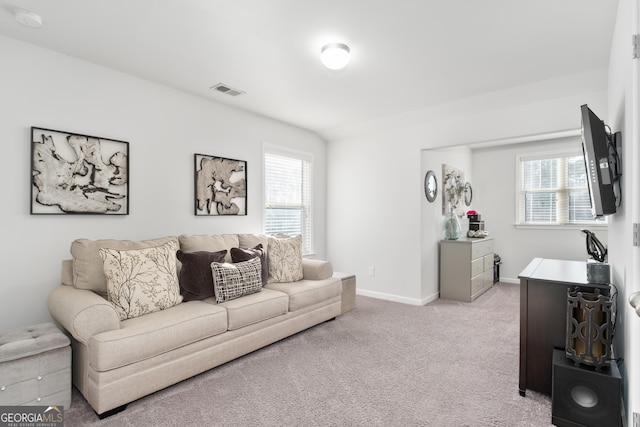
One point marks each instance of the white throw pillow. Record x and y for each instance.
(285, 259)
(142, 281)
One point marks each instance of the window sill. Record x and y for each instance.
(561, 226)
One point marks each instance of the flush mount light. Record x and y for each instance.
(335, 56)
(28, 18)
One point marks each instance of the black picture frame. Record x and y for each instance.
(74, 173)
(220, 186)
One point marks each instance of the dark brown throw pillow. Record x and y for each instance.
(241, 255)
(196, 279)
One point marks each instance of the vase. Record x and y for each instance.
(452, 227)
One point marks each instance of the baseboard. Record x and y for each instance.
(510, 280)
(396, 298)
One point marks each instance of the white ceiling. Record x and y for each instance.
(406, 54)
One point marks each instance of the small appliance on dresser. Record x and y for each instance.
(476, 225)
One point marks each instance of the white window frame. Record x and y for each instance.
(562, 216)
(307, 202)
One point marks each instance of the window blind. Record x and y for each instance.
(287, 190)
(554, 191)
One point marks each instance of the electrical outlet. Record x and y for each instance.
(372, 271)
(636, 419)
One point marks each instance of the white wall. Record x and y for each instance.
(624, 112)
(432, 219)
(376, 214)
(164, 127)
(495, 171)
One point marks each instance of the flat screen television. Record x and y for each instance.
(602, 163)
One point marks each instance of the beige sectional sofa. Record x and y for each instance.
(116, 360)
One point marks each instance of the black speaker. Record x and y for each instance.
(582, 396)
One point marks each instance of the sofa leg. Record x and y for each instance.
(112, 412)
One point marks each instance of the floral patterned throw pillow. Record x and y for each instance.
(142, 281)
(285, 259)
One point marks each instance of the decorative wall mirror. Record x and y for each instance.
(468, 193)
(430, 186)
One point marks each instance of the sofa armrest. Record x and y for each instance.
(315, 269)
(81, 312)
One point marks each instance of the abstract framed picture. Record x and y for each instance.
(452, 190)
(72, 173)
(221, 186)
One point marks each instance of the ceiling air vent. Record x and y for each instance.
(223, 88)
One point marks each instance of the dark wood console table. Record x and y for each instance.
(543, 308)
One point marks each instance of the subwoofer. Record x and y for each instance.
(583, 396)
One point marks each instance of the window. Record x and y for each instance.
(554, 190)
(287, 194)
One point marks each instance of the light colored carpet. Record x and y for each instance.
(382, 364)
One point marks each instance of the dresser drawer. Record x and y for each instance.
(477, 283)
(487, 278)
(477, 267)
(481, 248)
(488, 262)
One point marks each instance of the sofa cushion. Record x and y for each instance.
(241, 255)
(196, 281)
(144, 337)
(255, 308)
(252, 240)
(285, 259)
(141, 281)
(88, 270)
(232, 281)
(305, 293)
(209, 243)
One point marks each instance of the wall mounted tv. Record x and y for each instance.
(602, 160)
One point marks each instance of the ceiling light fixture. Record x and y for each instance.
(28, 18)
(335, 56)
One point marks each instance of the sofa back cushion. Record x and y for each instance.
(88, 270)
(209, 243)
(142, 281)
(253, 240)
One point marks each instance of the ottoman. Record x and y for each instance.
(348, 291)
(35, 367)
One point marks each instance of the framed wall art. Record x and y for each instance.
(73, 173)
(453, 190)
(221, 186)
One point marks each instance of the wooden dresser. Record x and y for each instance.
(466, 268)
(543, 316)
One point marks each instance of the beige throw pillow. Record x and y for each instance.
(285, 259)
(141, 281)
(88, 272)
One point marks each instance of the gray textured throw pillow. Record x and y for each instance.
(241, 255)
(232, 281)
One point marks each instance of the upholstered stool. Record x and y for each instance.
(35, 367)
